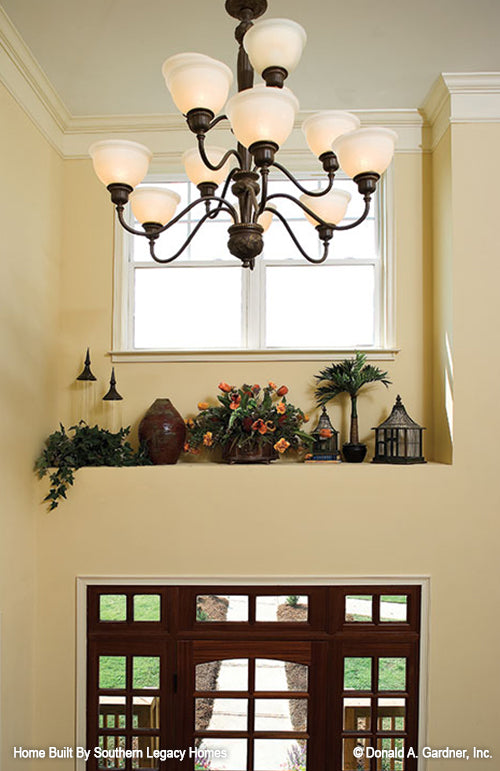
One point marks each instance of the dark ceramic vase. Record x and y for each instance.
(264, 453)
(354, 453)
(162, 431)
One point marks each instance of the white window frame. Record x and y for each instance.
(384, 350)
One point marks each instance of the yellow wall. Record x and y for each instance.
(30, 203)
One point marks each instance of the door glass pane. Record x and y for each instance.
(358, 607)
(112, 672)
(393, 607)
(391, 715)
(146, 712)
(280, 714)
(354, 754)
(221, 714)
(147, 607)
(188, 308)
(112, 607)
(276, 675)
(222, 675)
(111, 711)
(280, 755)
(392, 674)
(111, 747)
(147, 745)
(217, 607)
(357, 714)
(357, 673)
(219, 754)
(343, 309)
(146, 672)
(394, 750)
(289, 608)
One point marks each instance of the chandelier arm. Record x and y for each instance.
(183, 247)
(312, 193)
(230, 208)
(264, 176)
(295, 240)
(303, 207)
(219, 208)
(359, 220)
(211, 166)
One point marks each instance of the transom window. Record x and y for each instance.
(205, 301)
(253, 678)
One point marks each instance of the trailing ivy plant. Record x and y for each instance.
(83, 445)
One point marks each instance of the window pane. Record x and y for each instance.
(223, 675)
(391, 715)
(394, 750)
(392, 674)
(147, 745)
(358, 242)
(352, 748)
(278, 245)
(357, 714)
(112, 747)
(146, 672)
(111, 711)
(283, 754)
(357, 673)
(358, 607)
(393, 607)
(210, 243)
(280, 714)
(290, 608)
(147, 607)
(166, 245)
(338, 298)
(276, 675)
(146, 712)
(218, 754)
(188, 307)
(112, 672)
(112, 607)
(221, 714)
(213, 607)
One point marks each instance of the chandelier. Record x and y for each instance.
(261, 118)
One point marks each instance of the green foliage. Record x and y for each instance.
(248, 417)
(348, 376)
(83, 445)
(292, 600)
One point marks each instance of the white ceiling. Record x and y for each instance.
(104, 57)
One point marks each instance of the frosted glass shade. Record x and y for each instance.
(196, 80)
(323, 128)
(262, 114)
(364, 150)
(120, 161)
(274, 43)
(330, 207)
(154, 204)
(198, 172)
(265, 219)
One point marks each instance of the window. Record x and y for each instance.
(205, 301)
(243, 678)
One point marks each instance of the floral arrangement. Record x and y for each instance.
(247, 417)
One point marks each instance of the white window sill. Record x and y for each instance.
(151, 356)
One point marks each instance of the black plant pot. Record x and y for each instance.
(354, 453)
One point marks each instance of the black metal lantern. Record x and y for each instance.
(325, 446)
(398, 439)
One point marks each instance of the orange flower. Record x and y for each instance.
(259, 426)
(203, 405)
(270, 425)
(282, 446)
(207, 439)
(325, 433)
(225, 387)
(186, 447)
(256, 388)
(306, 418)
(272, 385)
(190, 422)
(235, 401)
(282, 390)
(281, 408)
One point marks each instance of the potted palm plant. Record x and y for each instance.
(349, 376)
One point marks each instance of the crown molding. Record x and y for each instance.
(23, 77)
(461, 97)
